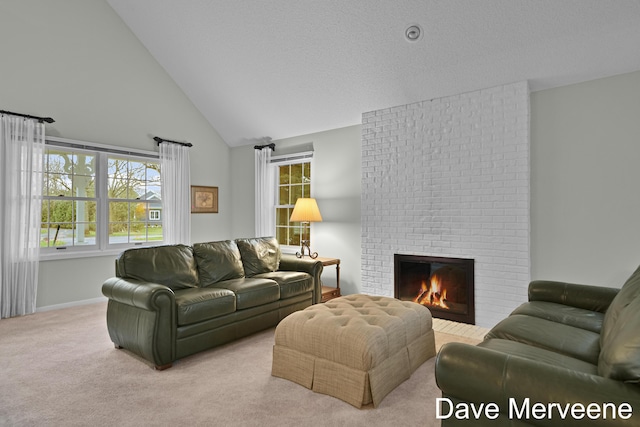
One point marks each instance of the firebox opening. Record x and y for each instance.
(444, 285)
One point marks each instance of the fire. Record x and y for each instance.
(432, 293)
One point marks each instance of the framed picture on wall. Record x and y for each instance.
(204, 199)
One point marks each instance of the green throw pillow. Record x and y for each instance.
(218, 261)
(259, 255)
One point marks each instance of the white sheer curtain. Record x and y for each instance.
(175, 172)
(265, 193)
(21, 163)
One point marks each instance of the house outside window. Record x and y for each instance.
(294, 181)
(95, 200)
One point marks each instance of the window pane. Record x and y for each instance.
(153, 173)
(281, 235)
(296, 192)
(284, 174)
(139, 212)
(282, 216)
(59, 184)
(296, 174)
(118, 232)
(137, 189)
(84, 234)
(85, 211)
(118, 188)
(154, 232)
(117, 168)
(306, 172)
(83, 186)
(61, 234)
(61, 211)
(85, 164)
(52, 235)
(119, 212)
(137, 171)
(294, 235)
(284, 195)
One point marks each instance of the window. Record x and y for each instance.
(294, 180)
(95, 199)
(69, 206)
(133, 189)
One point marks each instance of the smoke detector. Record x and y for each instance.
(413, 33)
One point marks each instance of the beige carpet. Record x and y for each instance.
(59, 368)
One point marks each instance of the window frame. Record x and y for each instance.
(287, 160)
(102, 152)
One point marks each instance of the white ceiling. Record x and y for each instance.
(282, 68)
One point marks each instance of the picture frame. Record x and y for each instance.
(204, 199)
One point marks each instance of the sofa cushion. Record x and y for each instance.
(218, 261)
(630, 290)
(568, 340)
(538, 354)
(170, 265)
(620, 355)
(251, 292)
(259, 255)
(198, 304)
(291, 283)
(572, 316)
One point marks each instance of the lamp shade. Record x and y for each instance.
(305, 210)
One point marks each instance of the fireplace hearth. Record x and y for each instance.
(444, 285)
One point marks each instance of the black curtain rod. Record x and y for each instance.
(161, 140)
(40, 119)
(260, 147)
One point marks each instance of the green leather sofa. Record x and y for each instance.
(168, 302)
(568, 357)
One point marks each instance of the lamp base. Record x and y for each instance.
(305, 244)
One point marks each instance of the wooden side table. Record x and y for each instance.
(329, 292)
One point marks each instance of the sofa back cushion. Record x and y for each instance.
(259, 255)
(619, 340)
(620, 352)
(170, 265)
(629, 291)
(218, 261)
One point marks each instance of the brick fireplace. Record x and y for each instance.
(449, 177)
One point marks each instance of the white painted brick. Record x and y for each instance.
(450, 177)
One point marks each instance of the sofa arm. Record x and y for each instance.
(595, 298)
(471, 374)
(136, 293)
(308, 265)
(141, 317)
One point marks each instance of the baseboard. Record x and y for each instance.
(70, 304)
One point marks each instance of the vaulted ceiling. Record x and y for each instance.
(261, 69)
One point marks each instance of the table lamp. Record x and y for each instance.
(306, 210)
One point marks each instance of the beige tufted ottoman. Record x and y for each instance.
(357, 348)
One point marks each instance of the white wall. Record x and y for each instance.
(336, 186)
(76, 61)
(585, 201)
